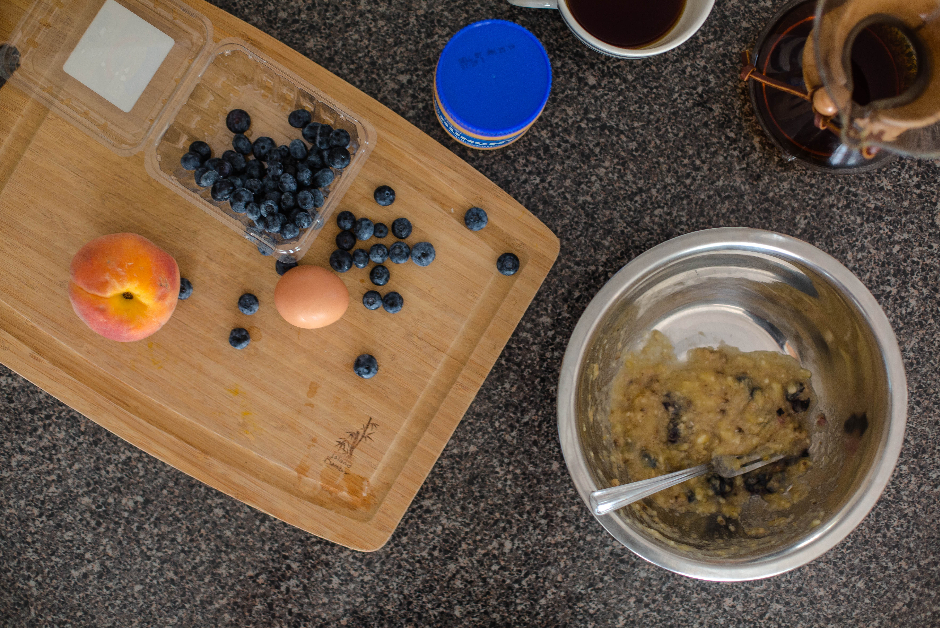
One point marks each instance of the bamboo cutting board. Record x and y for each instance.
(283, 425)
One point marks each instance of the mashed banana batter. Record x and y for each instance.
(668, 415)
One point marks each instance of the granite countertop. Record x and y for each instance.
(628, 154)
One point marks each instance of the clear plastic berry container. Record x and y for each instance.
(146, 76)
(237, 77)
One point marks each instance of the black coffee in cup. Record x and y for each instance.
(627, 23)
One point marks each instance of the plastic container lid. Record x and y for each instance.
(493, 78)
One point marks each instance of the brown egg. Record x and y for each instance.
(310, 297)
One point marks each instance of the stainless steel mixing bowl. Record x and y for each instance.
(754, 290)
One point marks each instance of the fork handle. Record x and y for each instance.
(608, 499)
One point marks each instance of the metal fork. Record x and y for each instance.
(608, 499)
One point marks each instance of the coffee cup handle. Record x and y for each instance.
(535, 4)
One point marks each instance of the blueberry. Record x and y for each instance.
(201, 148)
(248, 303)
(299, 118)
(366, 366)
(237, 180)
(205, 177)
(287, 202)
(273, 195)
(274, 155)
(214, 163)
(364, 229)
(322, 138)
(422, 253)
(285, 263)
(240, 199)
(289, 231)
(340, 261)
(318, 198)
(304, 175)
(401, 228)
(253, 210)
(399, 253)
(275, 170)
(378, 253)
(360, 258)
(265, 249)
(239, 338)
(262, 147)
(186, 289)
(392, 302)
(287, 183)
(305, 199)
(238, 161)
(372, 300)
(384, 195)
(338, 158)
(254, 185)
(507, 264)
(255, 169)
(270, 184)
(238, 121)
(222, 190)
(303, 219)
(298, 150)
(345, 220)
(323, 177)
(475, 219)
(345, 240)
(242, 144)
(273, 222)
(191, 161)
(284, 151)
(379, 275)
(381, 230)
(339, 137)
(309, 132)
(290, 168)
(314, 161)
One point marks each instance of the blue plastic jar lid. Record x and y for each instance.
(493, 78)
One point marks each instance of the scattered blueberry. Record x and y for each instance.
(205, 177)
(507, 264)
(238, 121)
(384, 195)
(372, 300)
(186, 289)
(222, 190)
(262, 147)
(248, 303)
(323, 177)
(364, 229)
(379, 275)
(191, 161)
(360, 258)
(239, 338)
(339, 137)
(238, 161)
(422, 253)
(303, 219)
(289, 231)
(345, 220)
(392, 302)
(401, 228)
(345, 240)
(340, 261)
(378, 253)
(285, 263)
(298, 150)
(299, 118)
(338, 157)
(381, 230)
(253, 210)
(242, 144)
(366, 366)
(475, 219)
(201, 148)
(399, 253)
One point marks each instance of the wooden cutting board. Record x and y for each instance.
(283, 425)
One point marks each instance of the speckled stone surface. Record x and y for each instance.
(628, 154)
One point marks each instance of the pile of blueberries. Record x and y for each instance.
(362, 230)
(278, 187)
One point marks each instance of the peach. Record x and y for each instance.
(123, 286)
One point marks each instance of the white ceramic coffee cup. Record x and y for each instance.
(693, 16)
